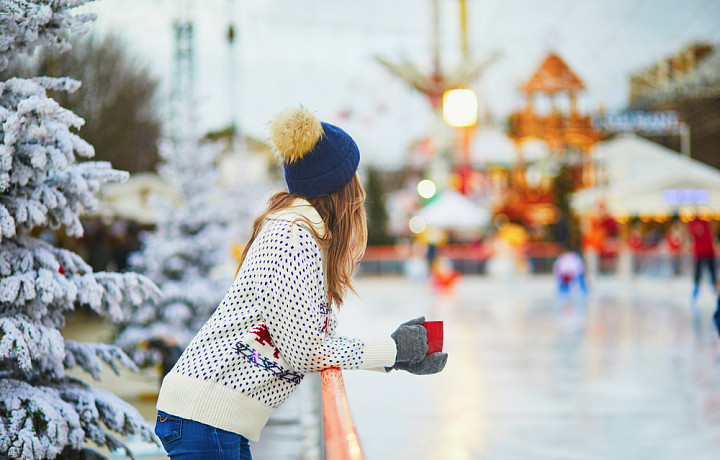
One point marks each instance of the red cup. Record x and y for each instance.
(435, 336)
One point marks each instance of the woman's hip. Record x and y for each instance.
(188, 439)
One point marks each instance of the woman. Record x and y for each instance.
(276, 323)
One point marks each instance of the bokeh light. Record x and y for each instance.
(460, 107)
(426, 188)
(417, 225)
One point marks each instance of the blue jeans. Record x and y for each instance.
(188, 439)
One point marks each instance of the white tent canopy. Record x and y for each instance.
(451, 210)
(645, 178)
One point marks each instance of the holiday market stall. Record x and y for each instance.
(640, 178)
(651, 192)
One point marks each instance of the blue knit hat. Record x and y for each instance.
(318, 158)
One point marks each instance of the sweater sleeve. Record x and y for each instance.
(295, 312)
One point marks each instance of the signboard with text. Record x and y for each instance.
(666, 122)
(686, 196)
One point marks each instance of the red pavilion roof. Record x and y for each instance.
(552, 76)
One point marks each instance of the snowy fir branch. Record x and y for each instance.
(51, 421)
(35, 421)
(97, 407)
(42, 295)
(26, 253)
(24, 341)
(36, 277)
(27, 24)
(90, 356)
(123, 290)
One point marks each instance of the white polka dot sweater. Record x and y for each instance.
(272, 328)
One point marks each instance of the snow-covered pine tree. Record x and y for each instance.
(182, 254)
(44, 413)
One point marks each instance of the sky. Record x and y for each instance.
(321, 54)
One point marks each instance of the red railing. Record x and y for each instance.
(644, 257)
(341, 439)
(458, 251)
(479, 251)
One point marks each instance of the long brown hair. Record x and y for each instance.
(345, 235)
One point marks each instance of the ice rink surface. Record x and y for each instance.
(630, 372)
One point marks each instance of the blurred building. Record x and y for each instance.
(562, 126)
(687, 82)
(551, 128)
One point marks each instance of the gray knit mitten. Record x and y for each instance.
(411, 341)
(432, 364)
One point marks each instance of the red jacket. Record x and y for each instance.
(702, 238)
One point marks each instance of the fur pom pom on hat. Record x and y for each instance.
(318, 158)
(294, 132)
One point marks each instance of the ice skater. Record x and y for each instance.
(569, 271)
(703, 252)
(277, 321)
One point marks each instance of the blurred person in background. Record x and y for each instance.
(569, 271)
(674, 243)
(443, 276)
(703, 253)
(716, 316)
